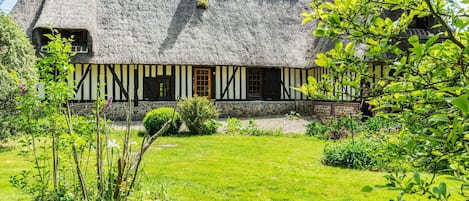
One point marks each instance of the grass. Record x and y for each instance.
(223, 167)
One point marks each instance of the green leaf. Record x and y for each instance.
(338, 46)
(306, 20)
(439, 118)
(413, 40)
(431, 40)
(372, 42)
(319, 32)
(349, 47)
(461, 103)
(367, 189)
(417, 178)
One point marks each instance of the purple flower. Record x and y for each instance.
(22, 87)
(108, 103)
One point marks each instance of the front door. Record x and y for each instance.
(203, 82)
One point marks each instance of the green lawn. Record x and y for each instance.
(222, 167)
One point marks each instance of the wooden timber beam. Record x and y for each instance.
(229, 82)
(118, 81)
(80, 83)
(285, 89)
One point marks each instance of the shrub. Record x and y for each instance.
(350, 154)
(195, 112)
(336, 134)
(333, 128)
(210, 126)
(315, 128)
(17, 73)
(252, 129)
(233, 126)
(155, 119)
(375, 124)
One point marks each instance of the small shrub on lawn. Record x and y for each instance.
(252, 129)
(333, 128)
(316, 129)
(336, 134)
(210, 126)
(155, 119)
(233, 126)
(350, 154)
(195, 112)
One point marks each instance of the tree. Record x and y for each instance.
(426, 83)
(17, 60)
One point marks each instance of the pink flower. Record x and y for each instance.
(22, 87)
(108, 103)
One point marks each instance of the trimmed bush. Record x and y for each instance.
(155, 119)
(195, 112)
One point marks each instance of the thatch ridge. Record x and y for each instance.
(229, 32)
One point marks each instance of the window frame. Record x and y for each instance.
(158, 80)
(260, 80)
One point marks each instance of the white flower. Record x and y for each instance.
(112, 143)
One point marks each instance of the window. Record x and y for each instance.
(263, 84)
(157, 88)
(202, 82)
(254, 83)
(79, 37)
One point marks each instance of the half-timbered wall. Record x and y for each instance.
(293, 78)
(229, 82)
(92, 77)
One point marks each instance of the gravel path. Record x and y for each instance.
(297, 125)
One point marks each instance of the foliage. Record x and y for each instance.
(375, 124)
(155, 119)
(203, 4)
(317, 129)
(17, 60)
(62, 147)
(292, 115)
(195, 112)
(333, 128)
(233, 126)
(350, 154)
(251, 129)
(210, 126)
(425, 85)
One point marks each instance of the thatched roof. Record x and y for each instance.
(229, 32)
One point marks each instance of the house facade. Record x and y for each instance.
(246, 55)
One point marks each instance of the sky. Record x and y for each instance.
(7, 5)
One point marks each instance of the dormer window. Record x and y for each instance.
(79, 37)
(420, 27)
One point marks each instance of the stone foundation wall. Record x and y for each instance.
(261, 108)
(117, 111)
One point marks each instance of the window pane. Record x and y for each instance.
(254, 83)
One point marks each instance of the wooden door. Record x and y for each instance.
(203, 82)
